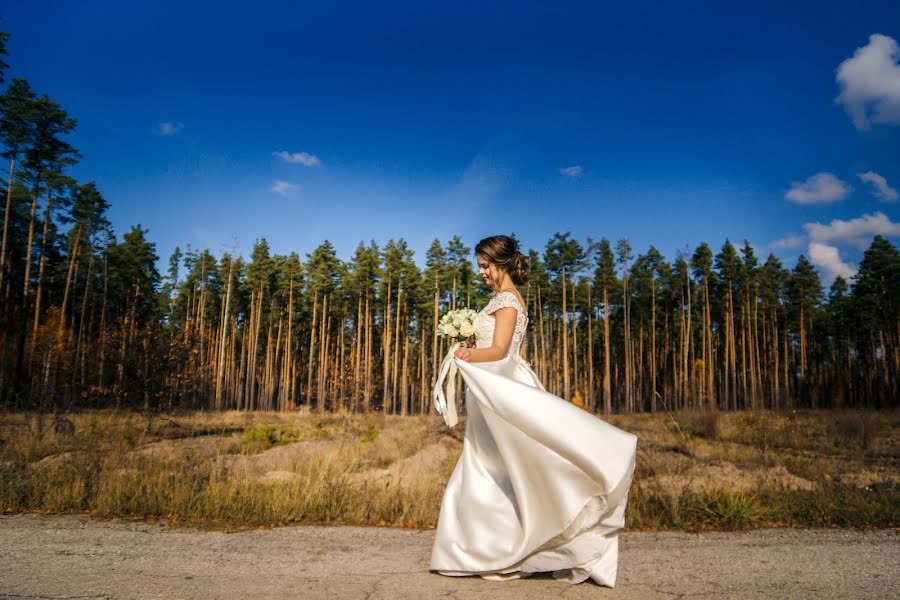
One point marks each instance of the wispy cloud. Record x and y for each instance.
(829, 260)
(858, 232)
(791, 241)
(298, 158)
(882, 190)
(820, 188)
(169, 128)
(870, 83)
(485, 178)
(573, 171)
(285, 188)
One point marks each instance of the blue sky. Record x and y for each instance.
(667, 123)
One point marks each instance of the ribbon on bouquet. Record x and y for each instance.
(447, 408)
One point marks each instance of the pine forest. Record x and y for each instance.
(87, 319)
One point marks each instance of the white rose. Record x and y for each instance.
(467, 329)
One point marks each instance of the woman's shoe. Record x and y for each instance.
(505, 576)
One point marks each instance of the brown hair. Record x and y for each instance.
(503, 251)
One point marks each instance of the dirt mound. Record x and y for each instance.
(57, 460)
(716, 476)
(416, 468)
(201, 445)
(280, 458)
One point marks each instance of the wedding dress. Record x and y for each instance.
(541, 485)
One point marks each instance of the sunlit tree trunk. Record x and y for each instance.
(386, 356)
(396, 355)
(220, 367)
(357, 356)
(9, 188)
(72, 259)
(607, 384)
(591, 397)
(312, 350)
(368, 364)
(652, 344)
(565, 344)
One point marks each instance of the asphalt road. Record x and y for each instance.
(79, 557)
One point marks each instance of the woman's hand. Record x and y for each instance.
(463, 353)
(470, 341)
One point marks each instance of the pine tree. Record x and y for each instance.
(876, 321)
(701, 264)
(17, 108)
(623, 254)
(804, 293)
(606, 282)
(728, 266)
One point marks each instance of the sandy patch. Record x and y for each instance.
(422, 465)
(716, 476)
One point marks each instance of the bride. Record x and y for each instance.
(541, 485)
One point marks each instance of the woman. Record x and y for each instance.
(541, 485)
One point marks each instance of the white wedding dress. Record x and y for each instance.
(541, 485)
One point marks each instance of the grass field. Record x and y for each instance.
(234, 469)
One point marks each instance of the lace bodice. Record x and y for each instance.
(485, 322)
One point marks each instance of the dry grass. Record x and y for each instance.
(729, 470)
(234, 469)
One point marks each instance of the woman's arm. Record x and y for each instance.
(504, 326)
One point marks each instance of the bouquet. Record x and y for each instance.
(457, 324)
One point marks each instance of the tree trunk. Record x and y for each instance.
(42, 260)
(607, 384)
(404, 375)
(565, 342)
(220, 367)
(9, 187)
(72, 259)
(591, 398)
(367, 403)
(357, 357)
(396, 355)
(386, 343)
(323, 355)
(312, 349)
(652, 344)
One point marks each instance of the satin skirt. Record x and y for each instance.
(541, 485)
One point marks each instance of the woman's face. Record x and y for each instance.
(491, 273)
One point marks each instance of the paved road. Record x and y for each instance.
(78, 557)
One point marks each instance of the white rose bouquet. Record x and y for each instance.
(457, 324)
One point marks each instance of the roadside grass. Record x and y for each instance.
(695, 470)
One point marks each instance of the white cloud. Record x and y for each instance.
(858, 231)
(169, 128)
(829, 260)
(870, 83)
(573, 171)
(882, 190)
(818, 189)
(791, 241)
(285, 188)
(298, 158)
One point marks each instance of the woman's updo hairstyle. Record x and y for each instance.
(503, 251)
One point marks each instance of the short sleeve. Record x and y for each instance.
(504, 300)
